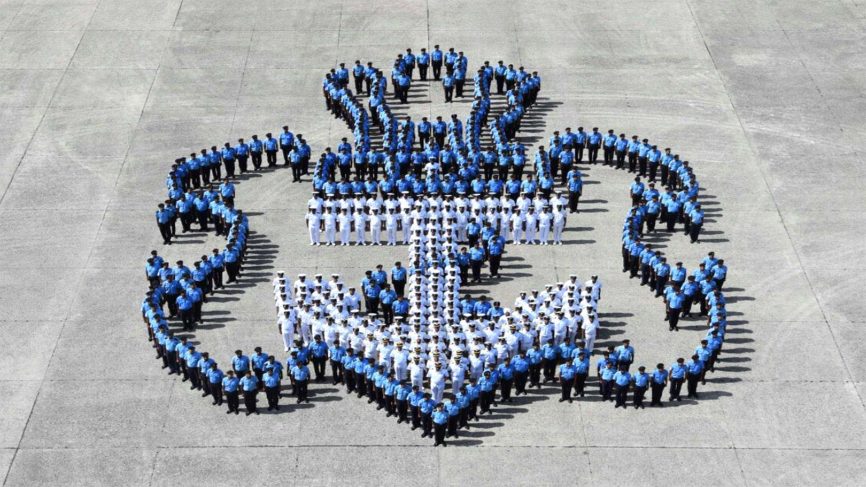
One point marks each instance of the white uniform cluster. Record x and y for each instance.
(437, 342)
(389, 221)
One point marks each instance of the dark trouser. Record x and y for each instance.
(186, 220)
(535, 375)
(399, 287)
(250, 401)
(296, 172)
(626, 258)
(230, 167)
(624, 363)
(390, 406)
(449, 93)
(272, 157)
(458, 84)
(664, 175)
(657, 391)
(632, 161)
(402, 411)
(486, 400)
(641, 165)
(202, 220)
(337, 371)
(257, 159)
(165, 232)
(319, 367)
(473, 409)
(620, 159)
(651, 221)
(232, 271)
(638, 396)
(359, 84)
(437, 69)
(349, 379)
(361, 384)
(495, 260)
(416, 417)
(505, 385)
(301, 388)
(633, 261)
(673, 318)
(671, 221)
(661, 282)
(549, 366)
(476, 269)
(645, 272)
(217, 278)
(608, 154)
(593, 153)
(216, 390)
(695, 231)
(452, 426)
(653, 168)
(621, 395)
(463, 418)
(520, 383)
(242, 163)
(186, 316)
(573, 200)
(427, 424)
(371, 391)
(676, 386)
(387, 313)
(439, 434)
(606, 389)
(171, 361)
(380, 397)
(692, 386)
(566, 384)
(579, 384)
(372, 304)
(285, 150)
(233, 400)
(273, 395)
(422, 71)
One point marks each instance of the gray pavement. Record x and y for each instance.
(766, 98)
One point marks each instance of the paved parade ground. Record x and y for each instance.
(764, 98)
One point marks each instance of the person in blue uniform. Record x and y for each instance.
(230, 385)
(581, 371)
(641, 382)
(658, 382)
(622, 379)
(271, 381)
(301, 375)
(694, 373)
(677, 376)
(426, 407)
(436, 58)
(567, 372)
(440, 424)
(250, 386)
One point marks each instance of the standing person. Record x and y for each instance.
(448, 83)
(426, 407)
(250, 386)
(436, 61)
(622, 379)
(567, 372)
(677, 376)
(440, 422)
(215, 378)
(641, 382)
(301, 374)
(694, 372)
(230, 385)
(271, 381)
(581, 372)
(658, 383)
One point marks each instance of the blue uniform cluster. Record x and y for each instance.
(448, 158)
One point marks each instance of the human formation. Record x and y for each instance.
(419, 351)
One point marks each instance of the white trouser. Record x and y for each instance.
(557, 232)
(314, 235)
(544, 234)
(330, 234)
(392, 235)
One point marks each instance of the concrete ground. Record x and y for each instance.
(98, 97)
